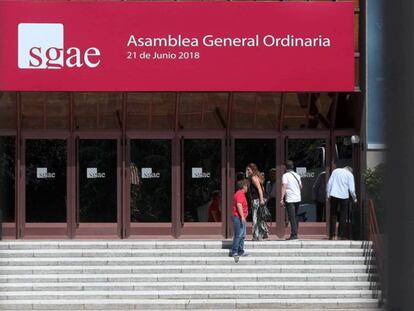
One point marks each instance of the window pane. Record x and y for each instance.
(8, 110)
(202, 180)
(7, 178)
(256, 110)
(98, 110)
(321, 110)
(151, 110)
(296, 110)
(308, 156)
(203, 110)
(344, 151)
(348, 113)
(45, 110)
(98, 181)
(151, 182)
(46, 164)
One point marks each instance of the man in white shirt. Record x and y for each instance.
(291, 197)
(340, 185)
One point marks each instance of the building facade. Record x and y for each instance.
(164, 164)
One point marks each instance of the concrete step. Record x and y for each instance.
(178, 253)
(126, 244)
(188, 294)
(197, 260)
(266, 285)
(194, 277)
(28, 270)
(191, 275)
(192, 304)
(279, 309)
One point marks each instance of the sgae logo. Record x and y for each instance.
(41, 46)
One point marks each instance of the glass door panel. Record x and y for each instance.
(46, 186)
(309, 158)
(150, 186)
(7, 186)
(202, 206)
(344, 156)
(97, 185)
(262, 152)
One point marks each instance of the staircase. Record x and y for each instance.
(193, 275)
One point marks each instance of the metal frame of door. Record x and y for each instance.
(146, 230)
(314, 228)
(95, 230)
(183, 229)
(36, 230)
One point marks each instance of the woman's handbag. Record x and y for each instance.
(264, 213)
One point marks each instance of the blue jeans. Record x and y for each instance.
(239, 235)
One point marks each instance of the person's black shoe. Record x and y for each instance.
(292, 237)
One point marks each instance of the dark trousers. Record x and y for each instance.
(292, 210)
(339, 209)
(320, 211)
(271, 205)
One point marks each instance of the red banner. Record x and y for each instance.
(177, 46)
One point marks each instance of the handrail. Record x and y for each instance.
(374, 236)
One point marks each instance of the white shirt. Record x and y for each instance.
(340, 184)
(293, 186)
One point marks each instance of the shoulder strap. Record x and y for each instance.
(295, 178)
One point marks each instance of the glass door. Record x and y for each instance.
(45, 192)
(309, 156)
(150, 187)
(262, 152)
(98, 187)
(7, 187)
(202, 187)
(345, 155)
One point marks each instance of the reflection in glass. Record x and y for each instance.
(45, 110)
(151, 110)
(7, 178)
(46, 180)
(203, 110)
(344, 151)
(98, 180)
(262, 152)
(308, 110)
(256, 110)
(348, 112)
(202, 178)
(150, 170)
(309, 157)
(98, 110)
(8, 104)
